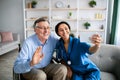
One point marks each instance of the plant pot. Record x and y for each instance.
(87, 27)
(69, 17)
(33, 6)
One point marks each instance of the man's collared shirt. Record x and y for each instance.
(22, 63)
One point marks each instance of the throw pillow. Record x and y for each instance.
(6, 36)
(0, 37)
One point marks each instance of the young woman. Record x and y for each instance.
(74, 54)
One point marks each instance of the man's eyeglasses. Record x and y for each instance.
(43, 28)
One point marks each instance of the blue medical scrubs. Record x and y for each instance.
(83, 68)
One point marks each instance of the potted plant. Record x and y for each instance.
(69, 14)
(87, 25)
(92, 3)
(34, 3)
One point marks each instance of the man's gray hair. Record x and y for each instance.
(40, 20)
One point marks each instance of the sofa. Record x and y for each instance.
(9, 44)
(107, 58)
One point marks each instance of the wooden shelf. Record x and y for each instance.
(31, 19)
(92, 8)
(91, 30)
(64, 8)
(65, 19)
(36, 9)
(88, 19)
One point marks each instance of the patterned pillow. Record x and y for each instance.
(6, 36)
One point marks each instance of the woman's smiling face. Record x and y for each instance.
(64, 31)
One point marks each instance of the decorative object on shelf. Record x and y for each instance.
(92, 3)
(68, 6)
(68, 1)
(102, 27)
(69, 15)
(59, 4)
(98, 16)
(87, 25)
(34, 3)
(29, 5)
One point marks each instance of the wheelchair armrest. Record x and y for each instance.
(17, 76)
(54, 60)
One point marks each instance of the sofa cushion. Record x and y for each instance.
(5, 45)
(10, 45)
(107, 76)
(6, 36)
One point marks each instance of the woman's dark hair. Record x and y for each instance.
(57, 26)
(40, 20)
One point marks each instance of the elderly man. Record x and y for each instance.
(33, 61)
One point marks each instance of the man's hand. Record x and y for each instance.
(37, 56)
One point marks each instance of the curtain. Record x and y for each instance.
(117, 35)
(114, 21)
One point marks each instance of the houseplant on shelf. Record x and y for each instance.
(87, 25)
(69, 15)
(92, 3)
(34, 3)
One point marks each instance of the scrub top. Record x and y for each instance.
(77, 56)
